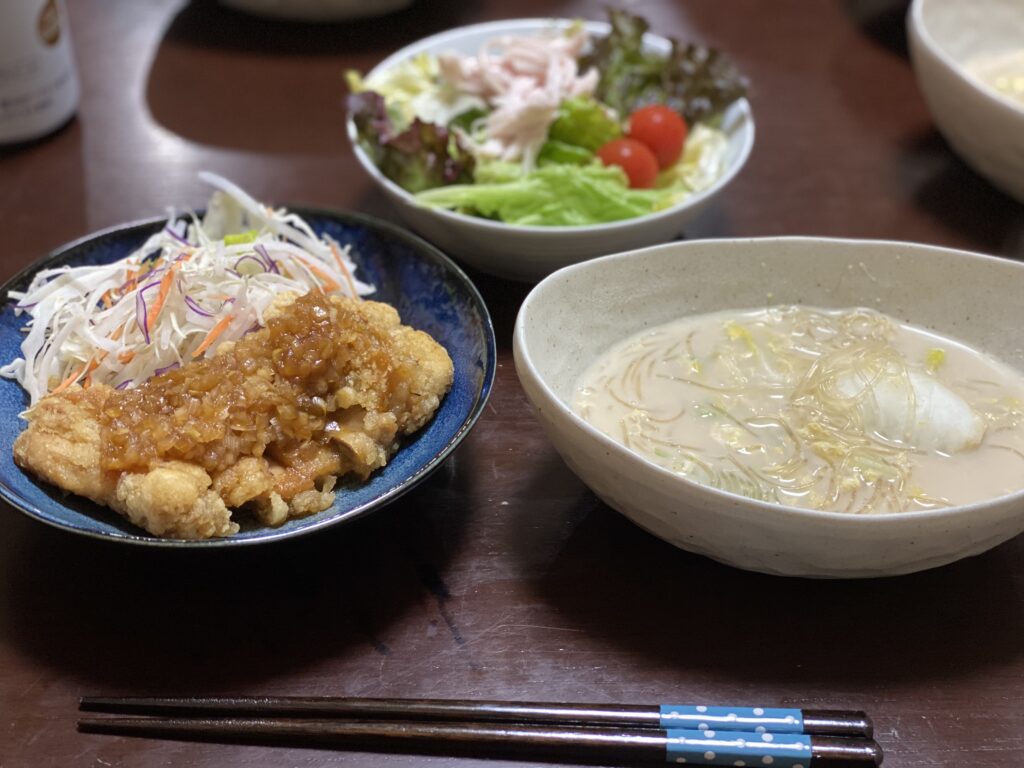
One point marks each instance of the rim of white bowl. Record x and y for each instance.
(917, 23)
(745, 115)
(843, 518)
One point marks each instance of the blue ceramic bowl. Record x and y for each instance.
(430, 293)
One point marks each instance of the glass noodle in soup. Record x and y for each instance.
(836, 410)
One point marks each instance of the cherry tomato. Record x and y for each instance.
(661, 129)
(639, 163)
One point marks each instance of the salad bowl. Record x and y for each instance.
(528, 253)
(430, 293)
(984, 126)
(577, 313)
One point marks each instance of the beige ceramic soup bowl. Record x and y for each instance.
(575, 314)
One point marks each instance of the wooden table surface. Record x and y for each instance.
(502, 576)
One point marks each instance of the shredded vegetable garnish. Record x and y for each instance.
(191, 286)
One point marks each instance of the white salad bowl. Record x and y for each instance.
(574, 315)
(985, 127)
(529, 253)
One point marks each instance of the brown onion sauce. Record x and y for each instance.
(272, 393)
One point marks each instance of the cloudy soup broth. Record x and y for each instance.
(838, 410)
(1002, 71)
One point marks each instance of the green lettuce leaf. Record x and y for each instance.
(466, 119)
(400, 85)
(564, 194)
(696, 81)
(412, 88)
(560, 152)
(552, 195)
(583, 122)
(423, 156)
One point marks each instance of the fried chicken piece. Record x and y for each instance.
(328, 388)
(173, 500)
(62, 443)
(63, 446)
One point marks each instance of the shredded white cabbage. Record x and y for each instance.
(702, 164)
(411, 89)
(190, 287)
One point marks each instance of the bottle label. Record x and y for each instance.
(38, 82)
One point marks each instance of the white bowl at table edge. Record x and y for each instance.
(983, 126)
(735, 529)
(531, 252)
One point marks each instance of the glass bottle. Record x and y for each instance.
(38, 81)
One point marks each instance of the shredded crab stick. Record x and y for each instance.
(189, 287)
(526, 78)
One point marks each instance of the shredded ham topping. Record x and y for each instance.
(525, 78)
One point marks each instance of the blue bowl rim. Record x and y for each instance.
(61, 254)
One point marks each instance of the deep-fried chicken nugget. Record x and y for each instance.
(62, 446)
(62, 443)
(173, 500)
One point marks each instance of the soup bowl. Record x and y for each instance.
(574, 315)
(984, 126)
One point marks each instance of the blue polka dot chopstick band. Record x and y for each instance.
(754, 719)
(736, 748)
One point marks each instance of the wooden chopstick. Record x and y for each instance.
(820, 722)
(579, 744)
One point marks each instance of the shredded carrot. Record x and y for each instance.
(94, 363)
(129, 284)
(165, 288)
(211, 337)
(344, 269)
(126, 357)
(101, 354)
(87, 369)
(116, 335)
(68, 381)
(106, 300)
(329, 283)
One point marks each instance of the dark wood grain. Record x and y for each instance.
(501, 577)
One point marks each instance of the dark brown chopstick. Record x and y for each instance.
(574, 744)
(818, 722)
